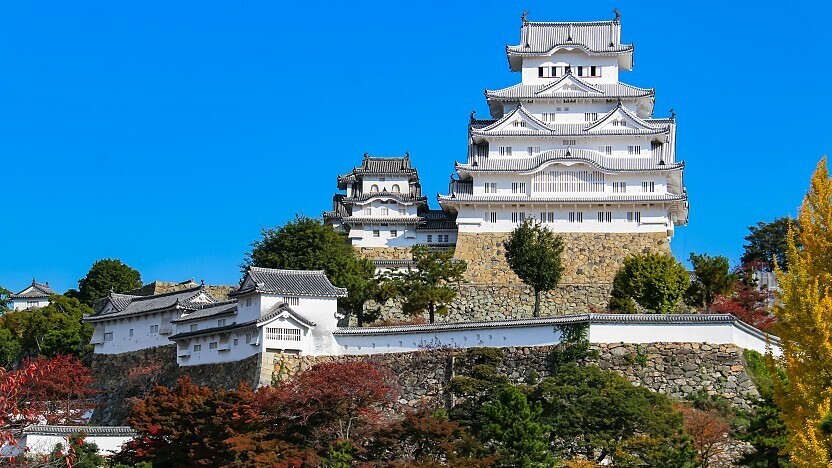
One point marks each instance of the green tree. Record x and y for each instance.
(4, 298)
(309, 244)
(534, 254)
(53, 329)
(711, 277)
(104, 276)
(9, 348)
(427, 285)
(656, 281)
(765, 430)
(768, 242)
(599, 414)
(514, 429)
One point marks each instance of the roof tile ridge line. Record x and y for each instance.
(283, 270)
(567, 23)
(169, 293)
(564, 77)
(209, 305)
(626, 112)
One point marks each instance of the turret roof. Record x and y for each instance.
(291, 282)
(126, 304)
(34, 291)
(373, 165)
(539, 91)
(544, 38)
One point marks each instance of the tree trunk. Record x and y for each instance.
(536, 303)
(431, 312)
(360, 315)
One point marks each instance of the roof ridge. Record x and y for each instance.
(169, 293)
(288, 270)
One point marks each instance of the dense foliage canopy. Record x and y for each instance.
(104, 276)
(534, 253)
(309, 244)
(712, 276)
(767, 243)
(427, 286)
(50, 330)
(656, 281)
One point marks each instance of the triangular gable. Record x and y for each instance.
(248, 282)
(569, 83)
(286, 314)
(620, 114)
(519, 114)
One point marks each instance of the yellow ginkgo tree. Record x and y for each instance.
(804, 324)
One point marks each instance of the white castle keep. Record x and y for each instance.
(570, 146)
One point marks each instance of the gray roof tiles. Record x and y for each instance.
(94, 431)
(608, 90)
(208, 311)
(34, 291)
(290, 282)
(124, 304)
(592, 158)
(595, 37)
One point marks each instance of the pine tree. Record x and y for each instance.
(514, 429)
(534, 253)
(804, 324)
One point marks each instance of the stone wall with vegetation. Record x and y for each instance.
(122, 378)
(384, 253)
(589, 258)
(484, 302)
(676, 369)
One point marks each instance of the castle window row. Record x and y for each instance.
(590, 71)
(570, 182)
(508, 151)
(547, 217)
(440, 238)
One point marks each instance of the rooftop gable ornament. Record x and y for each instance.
(472, 114)
(672, 113)
(617, 15)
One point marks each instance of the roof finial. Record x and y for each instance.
(568, 151)
(472, 114)
(523, 17)
(672, 113)
(567, 69)
(366, 155)
(407, 154)
(202, 283)
(112, 291)
(33, 282)
(617, 15)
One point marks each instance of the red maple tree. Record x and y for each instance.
(65, 397)
(709, 432)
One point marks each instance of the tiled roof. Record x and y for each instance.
(541, 129)
(94, 431)
(372, 165)
(608, 90)
(543, 38)
(437, 220)
(592, 158)
(124, 305)
(289, 282)
(401, 220)
(209, 331)
(213, 310)
(623, 319)
(34, 291)
(600, 198)
(284, 308)
(403, 198)
(339, 210)
(392, 263)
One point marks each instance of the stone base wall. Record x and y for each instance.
(675, 369)
(483, 302)
(384, 253)
(123, 378)
(588, 258)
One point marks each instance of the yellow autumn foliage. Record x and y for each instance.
(804, 324)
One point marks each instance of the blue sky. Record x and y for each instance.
(167, 133)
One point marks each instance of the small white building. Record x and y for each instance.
(383, 207)
(41, 439)
(34, 296)
(123, 322)
(274, 311)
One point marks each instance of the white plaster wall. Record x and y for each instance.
(386, 184)
(486, 337)
(422, 237)
(23, 304)
(362, 236)
(609, 66)
(520, 145)
(227, 349)
(142, 338)
(44, 444)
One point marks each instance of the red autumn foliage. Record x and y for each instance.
(709, 432)
(747, 304)
(65, 396)
(330, 401)
(192, 425)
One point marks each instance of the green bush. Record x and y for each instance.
(655, 281)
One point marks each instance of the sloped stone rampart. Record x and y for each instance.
(588, 257)
(676, 369)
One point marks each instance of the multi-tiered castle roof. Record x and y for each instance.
(570, 144)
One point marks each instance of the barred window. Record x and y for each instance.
(518, 187)
(568, 181)
(505, 151)
(283, 334)
(576, 216)
(569, 142)
(634, 216)
(619, 187)
(648, 186)
(605, 216)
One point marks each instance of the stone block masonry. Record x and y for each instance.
(384, 253)
(588, 258)
(676, 369)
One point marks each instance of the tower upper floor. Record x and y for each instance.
(591, 50)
